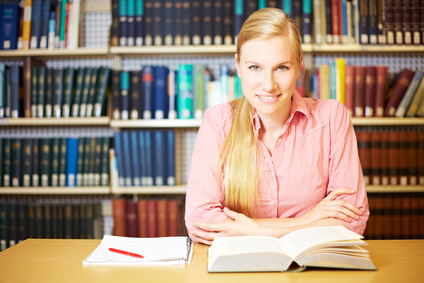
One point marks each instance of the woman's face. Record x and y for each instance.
(268, 69)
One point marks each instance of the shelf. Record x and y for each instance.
(386, 121)
(54, 121)
(55, 190)
(147, 190)
(395, 189)
(165, 123)
(363, 48)
(173, 49)
(50, 53)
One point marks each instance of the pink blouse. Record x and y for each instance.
(315, 153)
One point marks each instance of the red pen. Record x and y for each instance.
(125, 253)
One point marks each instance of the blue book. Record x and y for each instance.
(1, 171)
(131, 22)
(315, 89)
(135, 162)
(186, 27)
(307, 21)
(169, 22)
(148, 22)
(160, 90)
(147, 91)
(35, 23)
(363, 21)
(332, 79)
(196, 22)
(344, 23)
(159, 153)
(128, 174)
(158, 7)
(15, 83)
(170, 155)
(208, 20)
(287, 8)
(3, 88)
(185, 91)
(119, 158)
(142, 157)
(44, 28)
(218, 22)
(9, 16)
(224, 74)
(261, 4)
(172, 95)
(373, 21)
(71, 162)
(139, 13)
(149, 157)
(123, 24)
(238, 17)
(124, 97)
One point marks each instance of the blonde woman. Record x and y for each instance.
(273, 162)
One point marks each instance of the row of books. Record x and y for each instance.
(66, 92)
(33, 24)
(391, 155)
(148, 217)
(395, 216)
(49, 218)
(137, 22)
(158, 92)
(366, 91)
(34, 162)
(145, 157)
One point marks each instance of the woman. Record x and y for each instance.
(273, 162)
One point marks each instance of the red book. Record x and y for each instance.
(119, 221)
(151, 218)
(350, 89)
(371, 223)
(379, 216)
(142, 217)
(421, 215)
(384, 162)
(390, 21)
(387, 218)
(421, 160)
(380, 90)
(406, 216)
(415, 218)
(397, 216)
(393, 156)
(398, 91)
(359, 91)
(173, 217)
(403, 160)
(370, 85)
(335, 21)
(162, 217)
(413, 156)
(375, 159)
(131, 218)
(363, 138)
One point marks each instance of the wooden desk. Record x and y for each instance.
(42, 260)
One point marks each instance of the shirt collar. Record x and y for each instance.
(298, 106)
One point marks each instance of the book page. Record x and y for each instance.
(301, 240)
(154, 250)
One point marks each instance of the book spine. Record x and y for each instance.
(402, 82)
(80, 162)
(57, 92)
(104, 172)
(160, 89)
(409, 94)
(128, 172)
(147, 80)
(114, 31)
(55, 161)
(375, 157)
(135, 94)
(158, 10)
(350, 90)
(35, 24)
(116, 92)
(407, 21)
(139, 21)
(196, 22)
(363, 21)
(142, 217)
(170, 155)
(185, 91)
(172, 95)
(148, 142)
(123, 22)
(119, 158)
(131, 218)
(307, 22)
(335, 22)
(63, 149)
(359, 91)
(123, 98)
(416, 15)
(15, 171)
(15, 86)
(148, 22)
(119, 218)
(9, 26)
(159, 161)
(100, 94)
(41, 83)
(26, 33)
(142, 157)
(207, 13)
(373, 22)
(26, 161)
(130, 5)
(162, 217)
(77, 92)
(370, 85)
(198, 87)
(380, 90)
(151, 218)
(218, 22)
(134, 158)
(92, 92)
(68, 84)
(7, 162)
(45, 164)
(34, 91)
(27, 86)
(238, 18)
(72, 162)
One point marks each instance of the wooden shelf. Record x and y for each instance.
(363, 48)
(50, 53)
(55, 121)
(55, 190)
(165, 123)
(147, 190)
(386, 121)
(174, 49)
(395, 189)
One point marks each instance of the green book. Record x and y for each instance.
(35, 168)
(57, 92)
(45, 164)
(26, 162)
(41, 91)
(80, 162)
(198, 102)
(97, 161)
(101, 89)
(87, 157)
(4, 226)
(6, 162)
(92, 93)
(85, 91)
(185, 91)
(48, 109)
(62, 161)
(34, 91)
(104, 170)
(77, 91)
(68, 83)
(15, 172)
(55, 157)
(1, 162)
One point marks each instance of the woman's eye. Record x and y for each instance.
(282, 68)
(254, 68)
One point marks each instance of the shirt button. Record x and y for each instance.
(279, 140)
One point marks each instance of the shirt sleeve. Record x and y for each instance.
(345, 168)
(204, 199)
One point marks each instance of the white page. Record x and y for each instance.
(164, 250)
(299, 241)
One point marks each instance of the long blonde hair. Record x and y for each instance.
(240, 155)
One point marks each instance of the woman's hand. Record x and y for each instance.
(331, 207)
(237, 224)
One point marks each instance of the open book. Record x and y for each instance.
(333, 246)
(115, 250)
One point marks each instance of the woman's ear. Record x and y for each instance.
(237, 60)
